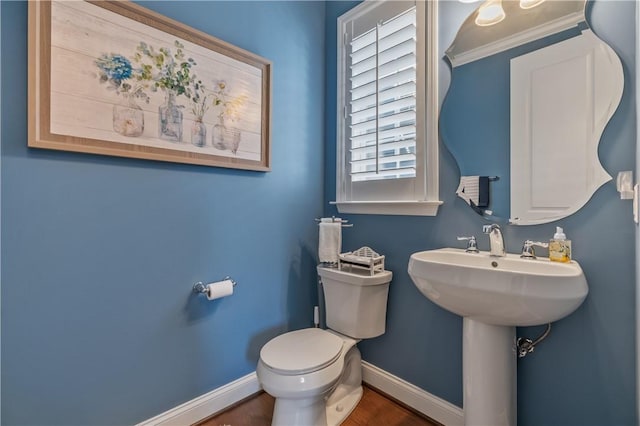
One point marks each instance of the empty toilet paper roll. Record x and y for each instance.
(219, 289)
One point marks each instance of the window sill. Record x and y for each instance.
(401, 208)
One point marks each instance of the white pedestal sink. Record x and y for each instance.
(494, 295)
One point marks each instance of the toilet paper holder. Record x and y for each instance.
(201, 288)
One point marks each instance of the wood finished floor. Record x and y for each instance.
(374, 409)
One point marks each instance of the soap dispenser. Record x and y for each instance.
(559, 247)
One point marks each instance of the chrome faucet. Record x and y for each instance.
(496, 240)
(472, 246)
(528, 251)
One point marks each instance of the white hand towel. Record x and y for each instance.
(329, 241)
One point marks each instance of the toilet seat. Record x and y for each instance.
(301, 351)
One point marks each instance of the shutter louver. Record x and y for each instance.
(382, 104)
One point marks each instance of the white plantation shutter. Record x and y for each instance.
(382, 131)
(387, 108)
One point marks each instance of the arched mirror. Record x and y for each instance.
(532, 90)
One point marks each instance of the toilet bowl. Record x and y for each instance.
(315, 375)
(302, 368)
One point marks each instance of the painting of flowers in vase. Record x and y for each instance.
(120, 85)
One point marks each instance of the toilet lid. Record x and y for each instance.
(301, 351)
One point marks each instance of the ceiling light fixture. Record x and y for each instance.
(490, 13)
(528, 4)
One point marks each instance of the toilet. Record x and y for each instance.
(315, 375)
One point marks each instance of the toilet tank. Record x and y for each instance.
(355, 301)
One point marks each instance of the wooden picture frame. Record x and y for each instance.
(114, 78)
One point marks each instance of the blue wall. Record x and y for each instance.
(99, 325)
(584, 372)
(99, 253)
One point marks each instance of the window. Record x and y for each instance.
(387, 109)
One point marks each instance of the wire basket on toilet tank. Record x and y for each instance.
(364, 258)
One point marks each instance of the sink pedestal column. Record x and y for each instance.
(489, 374)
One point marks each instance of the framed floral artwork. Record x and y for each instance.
(115, 78)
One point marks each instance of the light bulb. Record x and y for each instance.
(490, 13)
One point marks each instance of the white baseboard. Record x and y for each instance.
(430, 405)
(210, 403)
(225, 396)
